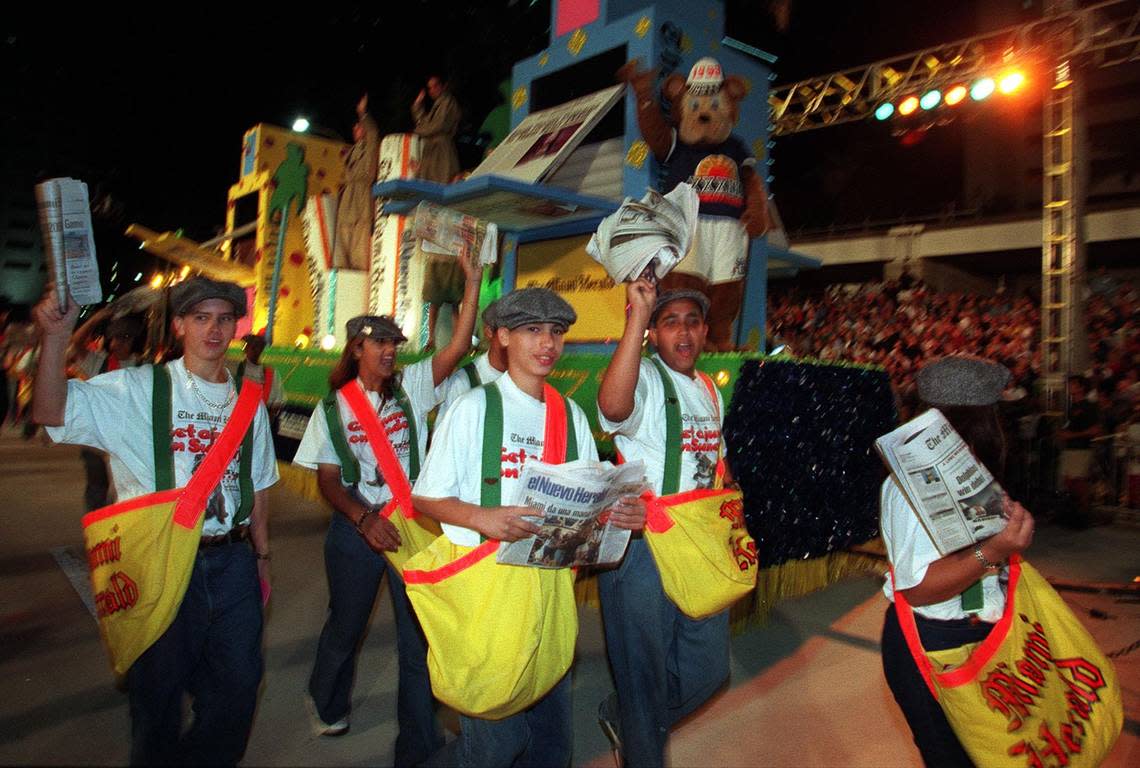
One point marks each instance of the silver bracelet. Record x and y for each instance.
(981, 558)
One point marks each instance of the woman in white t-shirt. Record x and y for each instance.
(351, 481)
(948, 610)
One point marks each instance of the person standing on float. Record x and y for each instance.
(357, 534)
(664, 663)
(212, 650)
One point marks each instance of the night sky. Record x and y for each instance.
(149, 108)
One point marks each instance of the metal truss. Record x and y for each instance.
(1102, 34)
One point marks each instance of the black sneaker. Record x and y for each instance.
(609, 719)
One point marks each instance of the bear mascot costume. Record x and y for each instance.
(697, 146)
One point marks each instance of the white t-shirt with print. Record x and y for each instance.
(316, 447)
(911, 551)
(113, 412)
(458, 384)
(642, 434)
(454, 464)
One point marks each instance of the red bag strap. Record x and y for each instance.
(382, 449)
(488, 547)
(554, 434)
(192, 502)
(981, 656)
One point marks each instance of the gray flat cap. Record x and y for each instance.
(378, 327)
(186, 294)
(668, 297)
(961, 380)
(491, 315)
(533, 305)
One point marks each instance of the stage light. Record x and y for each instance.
(884, 110)
(1010, 82)
(930, 99)
(300, 125)
(156, 281)
(328, 342)
(185, 271)
(982, 89)
(908, 105)
(302, 341)
(955, 95)
(778, 350)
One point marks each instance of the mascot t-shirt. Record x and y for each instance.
(714, 171)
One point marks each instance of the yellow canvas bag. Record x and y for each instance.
(698, 539)
(706, 558)
(499, 637)
(140, 552)
(416, 531)
(1037, 691)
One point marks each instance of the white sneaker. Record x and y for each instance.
(320, 727)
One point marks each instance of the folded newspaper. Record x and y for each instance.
(652, 234)
(953, 494)
(69, 241)
(569, 502)
(451, 233)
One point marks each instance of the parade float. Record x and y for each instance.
(799, 433)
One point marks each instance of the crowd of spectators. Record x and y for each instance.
(902, 324)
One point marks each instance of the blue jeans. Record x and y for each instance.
(211, 650)
(542, 736)
(354, 572)
(665, 665)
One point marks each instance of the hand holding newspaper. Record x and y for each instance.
(569, 502)
(69, 242)
(652, 233)
(953, 494)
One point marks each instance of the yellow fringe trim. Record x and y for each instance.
(300, 481)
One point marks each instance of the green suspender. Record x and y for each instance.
(672, 481)
(571, 435)
(239, 376)
(349, 466)
(491, 491)
(413, 441)
(472, 375)
(162, 426)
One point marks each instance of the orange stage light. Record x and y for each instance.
(908, 105)
(955, 95)
(1010, 82)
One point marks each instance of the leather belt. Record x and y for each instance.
(232, 536)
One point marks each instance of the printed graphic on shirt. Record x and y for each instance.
(700, 436)
(192, 435)
(518, 451)
(716, 180)
(395, 426)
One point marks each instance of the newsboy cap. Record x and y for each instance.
(376, 327)
(490, 315)
(197, 289)
(961, 380)
(668, 297)
(534, 305)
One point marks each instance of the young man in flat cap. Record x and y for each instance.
(483, 369)
(532, 323)
(664, 663)
(351, 478)
(212, 650)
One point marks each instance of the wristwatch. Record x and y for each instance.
(981, 558)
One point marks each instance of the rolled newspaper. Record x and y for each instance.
(650, 235)
(69, 242)
(447, 232)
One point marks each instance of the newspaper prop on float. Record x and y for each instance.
(954, 495)
(319, 230)
(568, 500)
(646, 237)
(69, 242)
(448, 233)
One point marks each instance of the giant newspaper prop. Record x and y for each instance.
(570, 502)
(141, 552)
(954, 495)
(647, 237)
(444, 232)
